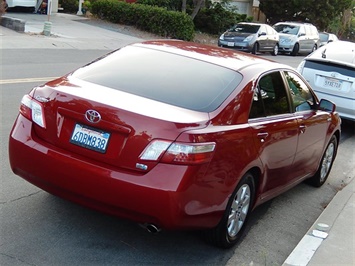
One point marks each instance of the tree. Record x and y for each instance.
(318, 12)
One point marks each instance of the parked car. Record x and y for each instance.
(326, 37)
(251, 37)
(331, 72)
(297, 38)
(21, 3)
(175, 135)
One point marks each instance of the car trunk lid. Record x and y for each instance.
(117, 125)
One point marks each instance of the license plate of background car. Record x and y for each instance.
(332, 83)
(90, 138)
(230, 43)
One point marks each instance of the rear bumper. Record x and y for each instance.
(170, 196)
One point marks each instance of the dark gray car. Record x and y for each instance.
(251, 37)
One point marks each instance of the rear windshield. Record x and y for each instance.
(164, 77)
(287, 29)
(331, 67)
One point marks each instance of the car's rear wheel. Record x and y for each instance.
(255, 48)
(275, 51)
(295, 49)
(325, 164)
(229, 230)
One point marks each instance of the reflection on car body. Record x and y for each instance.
(175, 135)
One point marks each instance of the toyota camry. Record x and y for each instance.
(175, 135)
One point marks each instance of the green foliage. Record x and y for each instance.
(216, 19)
(320, 13)
(174, 5)
(70, 6)
(153, 19)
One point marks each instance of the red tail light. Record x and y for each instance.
(178, 153)
(32, 110)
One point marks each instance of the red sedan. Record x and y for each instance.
(175, 135)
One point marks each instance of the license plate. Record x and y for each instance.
(90, 138)
(332, 83)
(230, 43)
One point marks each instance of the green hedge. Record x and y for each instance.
(153, 19)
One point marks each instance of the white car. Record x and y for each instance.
(330, 70)
(21, 3)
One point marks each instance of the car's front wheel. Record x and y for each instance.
(230, 229)
(255, 48)
(275, 51)
(325, 164)
(295, 49)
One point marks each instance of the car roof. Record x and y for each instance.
(294, 23)
(340, 52)
(252, 23)
(215, 55)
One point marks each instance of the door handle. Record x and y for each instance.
(262, 136)
(302, 128)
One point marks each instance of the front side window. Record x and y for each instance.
(301, 96)
(270, 97)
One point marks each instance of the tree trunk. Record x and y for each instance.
(183, 6)
(198, 5)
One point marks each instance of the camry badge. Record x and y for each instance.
(92, 116)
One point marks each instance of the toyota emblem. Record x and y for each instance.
(92, 116)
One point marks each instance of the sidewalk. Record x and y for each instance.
(333, 246)
(66, 32)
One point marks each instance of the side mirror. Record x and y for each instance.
(326, 105)
(301, 34)
(262, 34)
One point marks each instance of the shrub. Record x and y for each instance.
(69, 6)
(153, 19)
(216, 19)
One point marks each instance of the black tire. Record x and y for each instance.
(230, 229)
(255, 48)
(275, 51)
(325, 164)
(295, 49)
(314, 48)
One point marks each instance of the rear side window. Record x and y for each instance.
(165, 77)
(270, 98)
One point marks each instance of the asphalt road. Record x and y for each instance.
(37, 228)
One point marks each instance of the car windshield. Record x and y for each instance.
(287, 29)
(245, 28)
(169, 78)
(323, 37)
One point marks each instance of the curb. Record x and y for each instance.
(13, 23)
(304, 252)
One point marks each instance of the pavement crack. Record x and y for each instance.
(20, 198)
(17, 259)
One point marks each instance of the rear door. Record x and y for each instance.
(275, 131)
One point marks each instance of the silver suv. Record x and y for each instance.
(297, 38)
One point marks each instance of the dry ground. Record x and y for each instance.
(130, 30)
